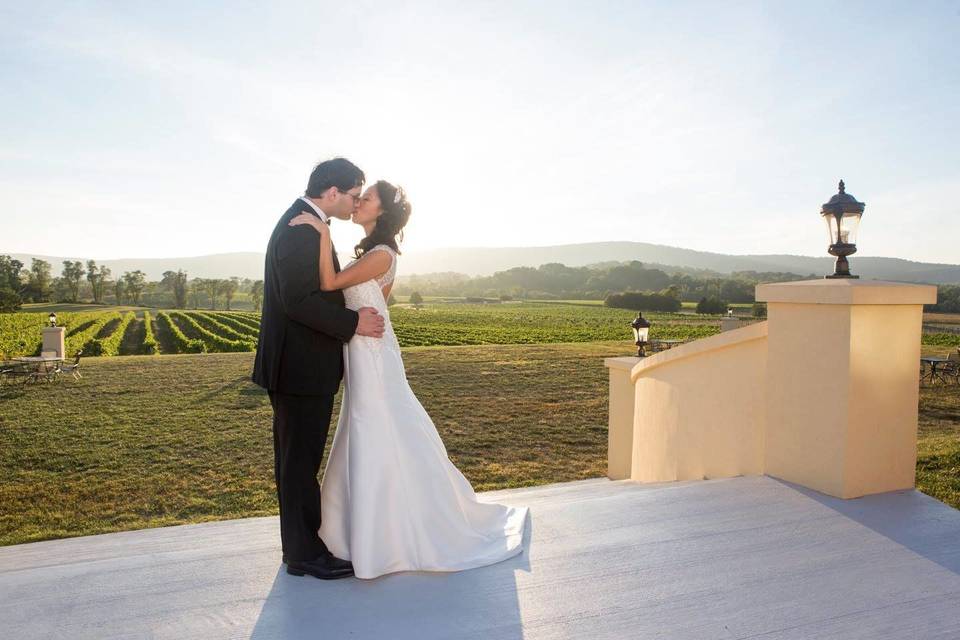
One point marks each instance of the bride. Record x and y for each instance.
(391, 499)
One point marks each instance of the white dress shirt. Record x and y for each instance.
(319, 211)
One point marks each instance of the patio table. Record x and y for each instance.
(45, 367)
(663, 345)
(932, 374)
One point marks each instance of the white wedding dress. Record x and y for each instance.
(391, 500)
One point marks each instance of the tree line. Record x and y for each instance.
(558, 281)
(90, 282)
(632, 285)
(948, 299)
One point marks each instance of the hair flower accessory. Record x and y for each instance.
(398, 196)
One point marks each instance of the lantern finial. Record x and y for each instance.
(842, 187)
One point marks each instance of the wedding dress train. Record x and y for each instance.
(391, 499)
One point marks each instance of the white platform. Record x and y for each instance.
(739, 558)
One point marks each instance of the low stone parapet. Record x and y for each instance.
(699, 408)
(823, 394)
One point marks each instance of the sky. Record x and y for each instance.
(132, 129)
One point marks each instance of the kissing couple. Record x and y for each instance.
(390, 500)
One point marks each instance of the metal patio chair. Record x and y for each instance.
(73, 368)
(951, 368)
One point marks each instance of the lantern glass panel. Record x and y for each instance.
(849, 224)
(831, 221)
(642, 334)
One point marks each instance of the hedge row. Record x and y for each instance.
(150, 345)
(240, 323)
(20, 334)
(212, 341)
(220, 326)
(182, 343)
(84, 338)
(637, 301)
(110, 345)
(941, 339)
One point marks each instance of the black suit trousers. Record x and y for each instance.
(300, 427)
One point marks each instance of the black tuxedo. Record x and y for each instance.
(299, 361)
(302, 329)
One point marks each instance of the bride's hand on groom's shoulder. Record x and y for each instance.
(313, 221)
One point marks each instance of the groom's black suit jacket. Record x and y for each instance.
(302, 329)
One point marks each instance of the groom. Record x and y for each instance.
(300, 361)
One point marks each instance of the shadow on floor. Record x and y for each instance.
(479, 603)
(912, 519)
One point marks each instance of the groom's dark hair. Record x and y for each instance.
(338, 172)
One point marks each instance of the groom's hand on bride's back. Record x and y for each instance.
(370, 323)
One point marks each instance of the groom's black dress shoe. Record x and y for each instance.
(325, 568)
(337, 562)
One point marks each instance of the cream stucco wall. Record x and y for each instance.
(699, 409)
(823, 394)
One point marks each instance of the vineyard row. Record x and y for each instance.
(111, 333)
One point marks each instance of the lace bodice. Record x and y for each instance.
(370, 294)
(390, 273)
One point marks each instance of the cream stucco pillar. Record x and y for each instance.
(620, 423)
(52, 340)
(842, 383)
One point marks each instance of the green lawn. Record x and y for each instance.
(145, 441)
(938, 447)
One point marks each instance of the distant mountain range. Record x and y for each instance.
(485, 261)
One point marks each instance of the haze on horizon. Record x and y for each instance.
(178, 130)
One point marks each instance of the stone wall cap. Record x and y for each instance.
(725, 340)
(847, 291)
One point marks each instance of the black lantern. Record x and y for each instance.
(842, 215)
(641, 331)
(53, 319)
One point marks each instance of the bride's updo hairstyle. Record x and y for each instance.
(390, 224)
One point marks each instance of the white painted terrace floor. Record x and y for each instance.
(738, 558)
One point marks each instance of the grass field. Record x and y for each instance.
(146, 441)
(938, 446)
